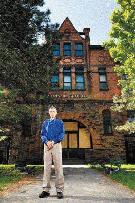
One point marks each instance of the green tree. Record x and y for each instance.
(25, 65)
(122, 49)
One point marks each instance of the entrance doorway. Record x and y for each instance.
(77, 140)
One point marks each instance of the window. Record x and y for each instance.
(67, 49)
(56, 49)
(80, 85)
(55, 80)
(79, 49)
(131, 116)
(67, 78)
(102, 79)
(107, 122)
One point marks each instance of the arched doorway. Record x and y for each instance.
(77, 140)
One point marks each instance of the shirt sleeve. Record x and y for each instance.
(44, 133)
(62, 133)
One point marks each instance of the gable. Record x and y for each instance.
(67, 27)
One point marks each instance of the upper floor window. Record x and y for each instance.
(56, 49)
(78, 49)
(102, 79)
(107, 124)
(80, 82)
(55, 80)
(67, 83)
(67, 49)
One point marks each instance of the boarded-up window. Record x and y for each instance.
(84, 138)
(73, 140)
(71, 126)
(64, 142)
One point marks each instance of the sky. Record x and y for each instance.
(93, 14)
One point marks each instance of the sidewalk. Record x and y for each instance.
(81, 185)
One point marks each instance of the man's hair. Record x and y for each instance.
(52, 107)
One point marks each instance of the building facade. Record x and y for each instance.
(83, 89)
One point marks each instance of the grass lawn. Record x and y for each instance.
(6, 180)
(8, 175)
(126, 176)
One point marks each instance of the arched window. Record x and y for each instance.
(107, 124)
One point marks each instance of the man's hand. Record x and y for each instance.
(50, 144)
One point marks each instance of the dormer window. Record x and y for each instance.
(78, 49)
(67, 49)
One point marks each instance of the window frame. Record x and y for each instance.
(107, 122)
(70, 50)
(102, 71)
(58, 43)
(79, 71)
(80, 50)
(54, 87)
(68, 73)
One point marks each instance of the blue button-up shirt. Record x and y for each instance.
(52, 130)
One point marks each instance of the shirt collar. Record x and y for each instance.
(52, 119)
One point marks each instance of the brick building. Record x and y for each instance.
(83, 88)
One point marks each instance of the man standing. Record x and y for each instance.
(52, 134)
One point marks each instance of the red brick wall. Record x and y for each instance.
(91, 61)
(97, 58)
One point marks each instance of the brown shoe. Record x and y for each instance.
(44, 194)
(60, 195)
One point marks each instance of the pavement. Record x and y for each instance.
(82, 184)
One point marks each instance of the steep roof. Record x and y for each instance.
(67, 24)
(69, 27)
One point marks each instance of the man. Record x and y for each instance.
(52, 134)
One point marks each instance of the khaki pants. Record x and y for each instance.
(54, 154)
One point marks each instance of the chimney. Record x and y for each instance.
(86, 32)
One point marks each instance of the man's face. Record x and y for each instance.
(52, 113)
